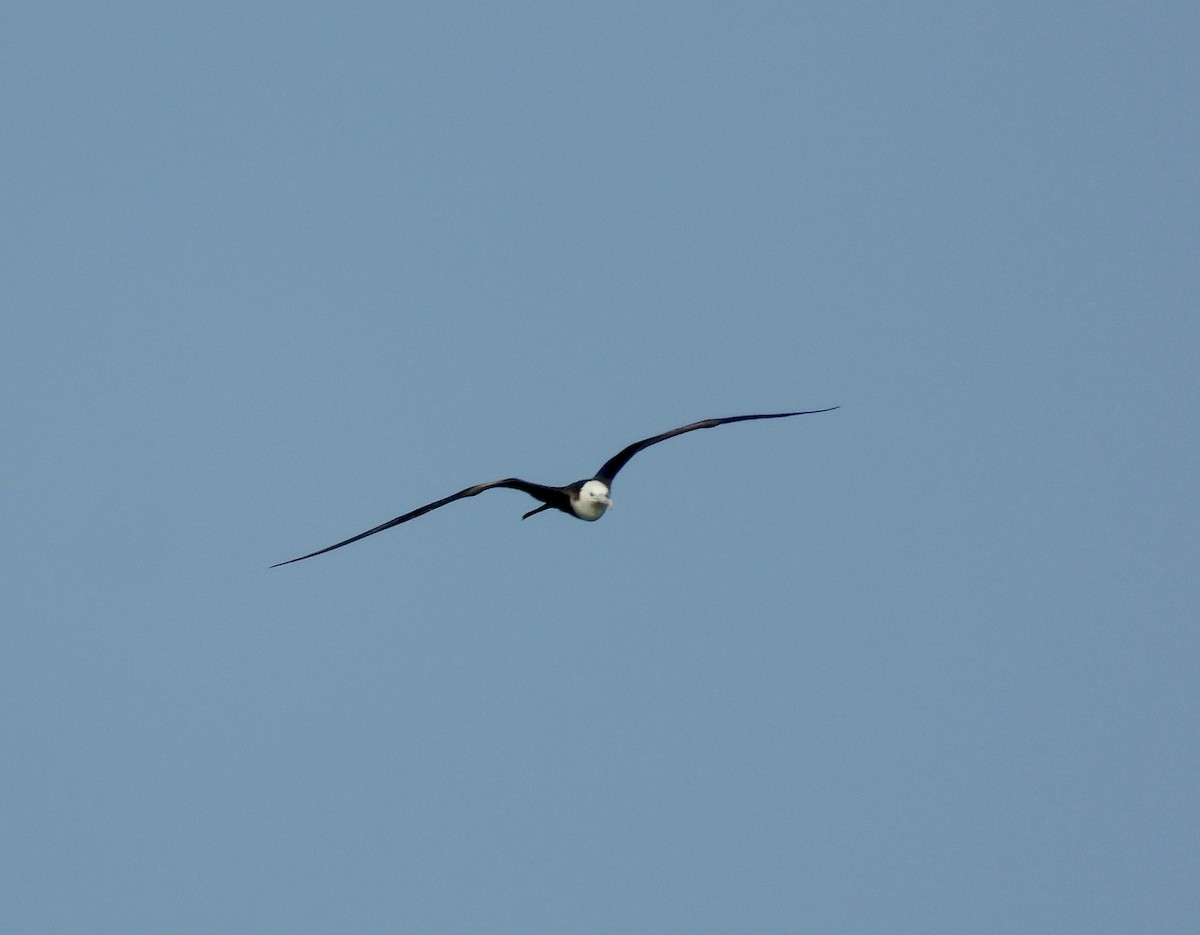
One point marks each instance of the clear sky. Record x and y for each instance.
(275, 273)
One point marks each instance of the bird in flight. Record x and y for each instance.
(584, 499)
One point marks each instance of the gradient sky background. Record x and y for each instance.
(275, 273)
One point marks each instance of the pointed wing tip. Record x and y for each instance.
(301, 558)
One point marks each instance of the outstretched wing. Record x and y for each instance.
(541, 492)
(618, 461)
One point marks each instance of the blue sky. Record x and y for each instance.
(274, 274)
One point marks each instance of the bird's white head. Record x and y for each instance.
(592, 501)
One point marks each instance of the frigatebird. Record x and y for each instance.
(584, 499)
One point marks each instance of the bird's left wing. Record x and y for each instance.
(539, 491)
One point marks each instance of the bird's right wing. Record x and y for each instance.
(539, 491)
(619, 460)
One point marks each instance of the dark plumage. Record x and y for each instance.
(584, 499)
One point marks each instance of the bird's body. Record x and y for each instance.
(585, 499)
